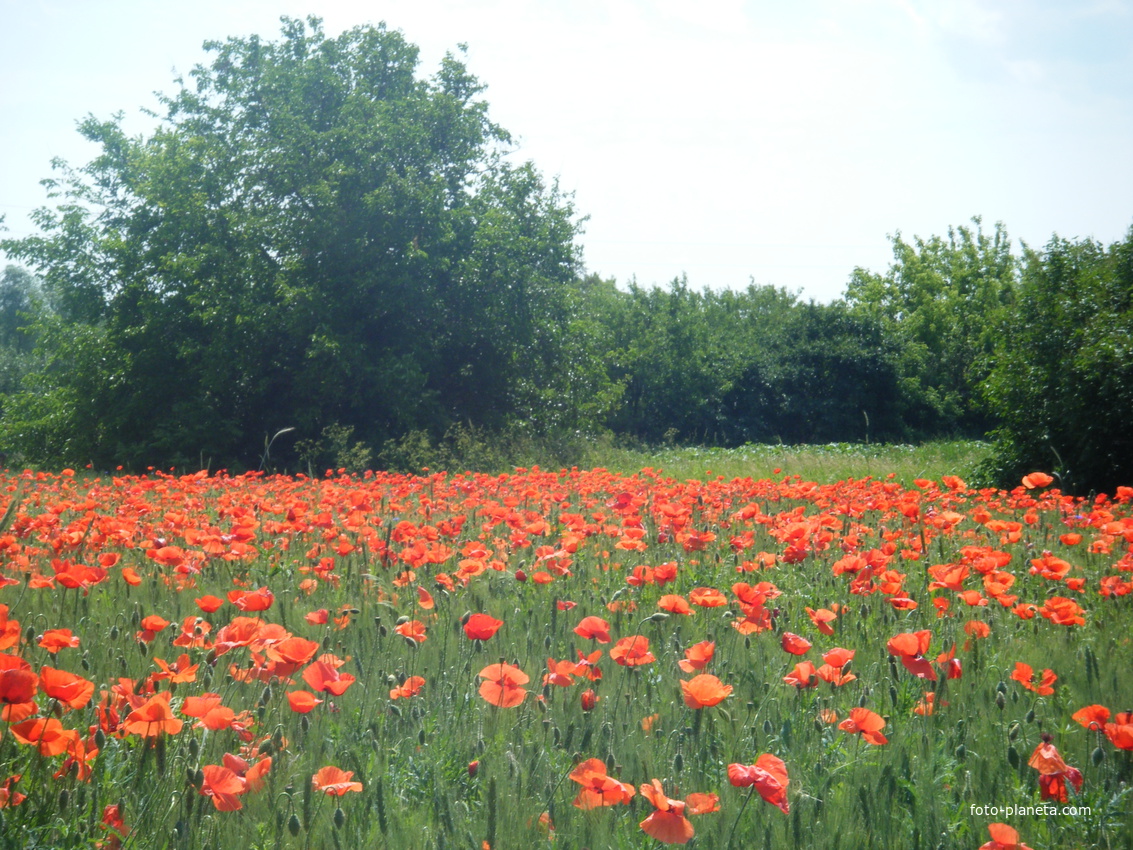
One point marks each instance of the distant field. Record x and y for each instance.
(820, 463)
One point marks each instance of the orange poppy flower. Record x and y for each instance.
(180, 671)
(598, 789)
(1054, 773)
(481, 627)
(317, 618)
(667, 823)
(1120, 731)
(707, 597)
(324, 676)
(698, 656)
(1063, 612)
(704, 691)
(152, 718)
(675, 604)
(1092, 717)
(335, 781)
(223, 786)
(794, 644)
(803, 676)
(632, 651)
(18, 686)
(867, 723)
(424, 599)
(47, 735)
(70, 690)
(587, 666)
(593, 628)
(588, 699)
(502, 685)
(410, 688)
(54, 640)
(9, 630)
(209, 604)
(1024, 675)
(1037, 480)
(252, 600)
(769, 777)
(561, 673)
(302, 702)
(1003, 837)
(910, 647)
(822, 618)
(413, 630)
(9, 796)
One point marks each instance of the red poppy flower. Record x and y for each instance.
(47, 735)
(867, 723)
(707, 597)
(698, 656)
(152, 718)
(1120, 731)
(481, 627)
(1037, 480)
(413, 630)
(252, 600)
(588, 699)
(632, 651)
(1092, 716)
(704, 691)
(54, 640)
(302, 702)
(209, 604)
(822, 618)
(223, 786)
(18, 686)
(410, 688)
(1003, 837)
(335, 781)
(803, 676)
(667, 823)
(70, 690)
(502, 685)
(324, 676)
(598, 789)
(768, 775)
(593, 628)
(9, 796)
(1024, 675)
(675, 604)
(794, 644)
(1054, 773)
(910, 647)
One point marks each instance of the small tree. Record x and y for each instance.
(1062, 381)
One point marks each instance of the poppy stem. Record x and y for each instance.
(739, 814)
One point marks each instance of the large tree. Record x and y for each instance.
(312, 235)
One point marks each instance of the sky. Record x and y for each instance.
(731, 142)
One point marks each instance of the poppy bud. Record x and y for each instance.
(1097, 756)
(520, 575)
(293, 824)
(589, 699)
(1013, 757)
(339, 818)
(473, 767)
(1000, 702)
(1030, 718)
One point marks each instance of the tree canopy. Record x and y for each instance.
(312, 235)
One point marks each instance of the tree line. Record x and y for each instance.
(320, 246)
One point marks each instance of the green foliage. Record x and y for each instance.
(1062, 383)
(312, 235)
(940, 304)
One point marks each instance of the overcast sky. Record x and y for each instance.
(729, 141)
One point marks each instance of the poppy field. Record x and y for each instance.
(574, 659)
